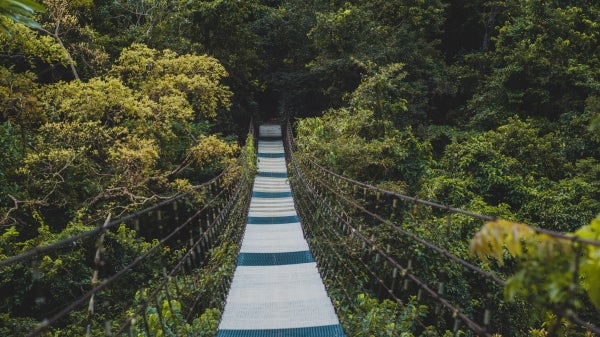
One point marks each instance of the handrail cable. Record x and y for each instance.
(306, 222)
(441, 251)
(557, 235)
(213, 224)
(449, 208)
(570, 315)
(307, 228)
(197, 299)
(574, 318)
(189, 254)
(364, 238)
(472, 325)
(39, 250)
(47, 323)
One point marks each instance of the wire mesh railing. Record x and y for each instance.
(408, 245)
(152, 272)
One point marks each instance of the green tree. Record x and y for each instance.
(64, 21)
(123, 137)
(545, 63)
(341, 136)
(358, 38)
(521, 166)
(26, 48)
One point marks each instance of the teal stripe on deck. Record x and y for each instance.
(272, 220)
(274, 259)
(272, 174)
(271, 155)
(315, 331)
(256, 194)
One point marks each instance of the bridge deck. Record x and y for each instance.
(276, 288)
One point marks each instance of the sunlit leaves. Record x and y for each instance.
(166, 74)
(19, 102)
(31, 46)
(210, 149)
(106, 100)
(20, 11)
(495, 236)
(590, 266)
(546, 264)
(134, 158)
(111, 138)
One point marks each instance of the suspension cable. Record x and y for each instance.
(441, 251)
(52, 246)
(557, 235)
(414, 199)
(472, 325)
(562, 236)
(214, 223)
(47, 323)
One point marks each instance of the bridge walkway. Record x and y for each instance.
(276, 289)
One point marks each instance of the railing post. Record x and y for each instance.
(441, 283)
(487, 314)
(95, 276)
(405, 272)
(159, 312)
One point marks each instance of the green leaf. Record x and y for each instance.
(591, 281)
(20, 11)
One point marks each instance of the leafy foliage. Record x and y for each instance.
(20, 11)
(552, 271)
(113, 137)
(544, 64)
(383, 318)
(341, 136)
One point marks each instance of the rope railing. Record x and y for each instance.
(132, 216)
(237, 217)
(323, 184)
(106, 282)
(214, 225)
(457, 313)
(309, 220)
(338, 218)
(219, 201)
(443, 252)
(554, 234)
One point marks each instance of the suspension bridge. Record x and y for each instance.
(268, 253)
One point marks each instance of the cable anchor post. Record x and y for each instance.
(443, 278)
(95, 276)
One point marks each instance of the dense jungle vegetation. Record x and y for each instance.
(107, 106)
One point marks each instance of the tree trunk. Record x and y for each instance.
(489, 28)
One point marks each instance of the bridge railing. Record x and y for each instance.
(382, 240)
(150, 271)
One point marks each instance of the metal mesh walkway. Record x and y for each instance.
(276, 289)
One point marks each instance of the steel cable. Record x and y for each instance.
(572, 238)
(43, 249)
(47, 323)
(472, 325)
(213, 225)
